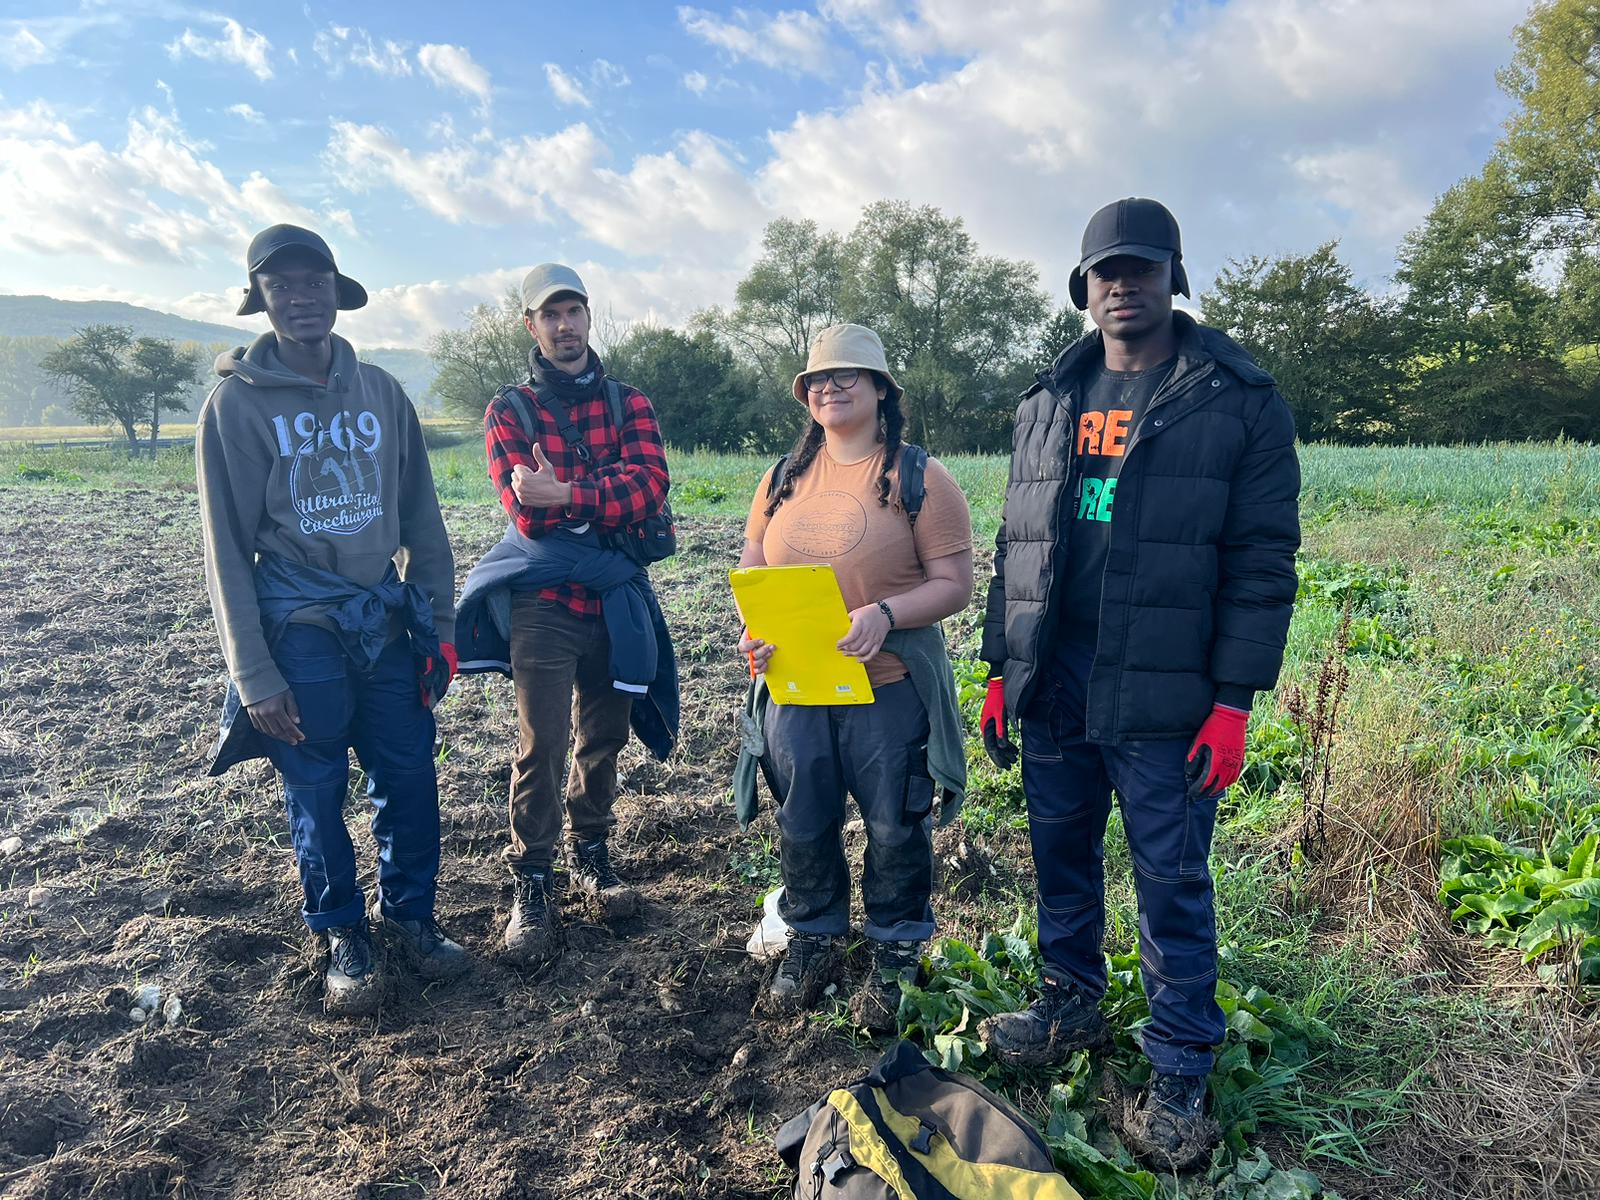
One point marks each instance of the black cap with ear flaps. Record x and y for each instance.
(278, 238)
(1136, 226)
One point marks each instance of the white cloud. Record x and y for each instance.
(1039, 126)
(340, 44)
(608, 75)
(792, 40)
(694, 199)
(248, 113)
(564, 87)
(452, 67)
(408, 314)
(24, 49)
(154, 199)
(236, 44)
(38, 119)
(696, 83)
(884, 24)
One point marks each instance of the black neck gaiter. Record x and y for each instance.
(547, 376)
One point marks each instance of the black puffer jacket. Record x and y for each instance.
(1199, 579)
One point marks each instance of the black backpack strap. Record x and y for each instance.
(921, 1181)
(513, 395)
(776, 481)
(614, 403)
(913, 488)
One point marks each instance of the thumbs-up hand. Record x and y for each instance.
(537, 486)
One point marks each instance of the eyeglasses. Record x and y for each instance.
(843, 378)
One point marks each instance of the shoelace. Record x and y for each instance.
(1177, 1095)
(595, 860)
(530, 891)
(352, 951)
(802, 950)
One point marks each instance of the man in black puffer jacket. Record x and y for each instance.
(1144, 579)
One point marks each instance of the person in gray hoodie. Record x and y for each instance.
(313, 475)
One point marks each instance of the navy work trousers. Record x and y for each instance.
(1068, 784)
(381, 716)
(877, 753)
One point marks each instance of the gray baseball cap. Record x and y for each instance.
(549, 279)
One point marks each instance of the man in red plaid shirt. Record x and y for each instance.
(609, 478)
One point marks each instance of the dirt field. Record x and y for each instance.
(633, 1068)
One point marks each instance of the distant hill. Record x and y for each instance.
(44, 316)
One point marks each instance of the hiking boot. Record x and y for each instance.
(1169, 1128)
(876, 1007)
(533, 934)
(353, 983)
(591, 868)
(432, 953)
(804, 973)
(1045, 1034)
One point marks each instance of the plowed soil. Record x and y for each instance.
(633, 1067)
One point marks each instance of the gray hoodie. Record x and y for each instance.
(335, 476)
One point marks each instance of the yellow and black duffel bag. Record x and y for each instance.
(912, 1131)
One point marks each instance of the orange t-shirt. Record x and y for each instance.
(834, 517)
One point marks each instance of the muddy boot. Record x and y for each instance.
(353, 982)
(612, 899)
(432, 953)
(1047, 1032)
(807, 968)
(1169, 1128)
(533, 934)
(876, 1007)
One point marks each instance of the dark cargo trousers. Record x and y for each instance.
(561, 671)
(1068, 784)
(382, 717)
(878, 753)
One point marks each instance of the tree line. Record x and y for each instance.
(1489, 328)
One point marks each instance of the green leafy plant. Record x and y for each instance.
(1256, 1078)
(1545, 906)
(701, 489)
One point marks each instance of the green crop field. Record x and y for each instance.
(1408, 876)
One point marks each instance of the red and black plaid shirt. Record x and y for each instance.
(625, 481)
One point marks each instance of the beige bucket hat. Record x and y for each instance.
(846, 346)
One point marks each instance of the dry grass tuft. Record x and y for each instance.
(1522, 1124)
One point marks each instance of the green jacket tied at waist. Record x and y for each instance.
(928, 663)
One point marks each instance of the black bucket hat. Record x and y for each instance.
(1136, 226)
(278, 238)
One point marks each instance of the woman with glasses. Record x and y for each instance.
(836, 499)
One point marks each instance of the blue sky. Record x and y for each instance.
(444, 148)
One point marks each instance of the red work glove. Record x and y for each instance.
(1217, 755)
(992, 724)
(434, 675)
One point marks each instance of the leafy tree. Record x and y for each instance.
(1468, 271)
(1551, 147)
(25, 389)
(476, 362)
(1502, 399)
(790, 293)
(111, 376)
(1325, 340)
(954, 323)
(703, 399)
(1066, 326)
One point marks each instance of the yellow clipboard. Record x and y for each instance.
(800, 610)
